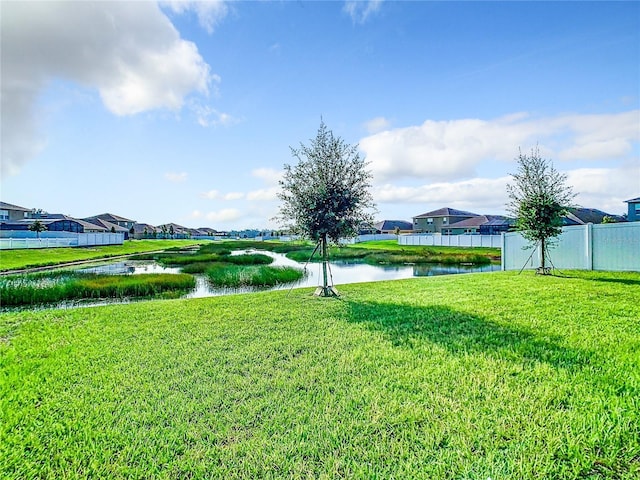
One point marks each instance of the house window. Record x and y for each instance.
(445, 220)
(430, 221)
(637, 208)
(4, 214)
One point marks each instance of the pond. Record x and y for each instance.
(341, 273)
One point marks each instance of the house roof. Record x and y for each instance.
(592, 215)
(447, 212)
(9, 206)
(109, 217)
(476, 221)
(176, 228)
(633, 200)
(392, 224)
(106, 224)
(59, 218)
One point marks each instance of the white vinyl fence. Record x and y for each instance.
(451, 240)
(75, 240)
(614, 247)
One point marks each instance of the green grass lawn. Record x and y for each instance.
(479, 376)
(23, 258)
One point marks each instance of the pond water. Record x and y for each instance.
(341, 273)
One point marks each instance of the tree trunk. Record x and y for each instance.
(325, 290)
(542, 269)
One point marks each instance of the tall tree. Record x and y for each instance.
(37, 227)
(325, 196)
(538, 198)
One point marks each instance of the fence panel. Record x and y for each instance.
(77, 240)
(494, 241)
(614, 247)
(617, 247)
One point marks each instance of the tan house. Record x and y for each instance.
(438, 220)
(13, 213)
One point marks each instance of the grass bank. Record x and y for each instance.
(473, 376)
(40, 288)
(389, 252)
(28, 258)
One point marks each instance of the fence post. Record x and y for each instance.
(588, 237)
(503, 244)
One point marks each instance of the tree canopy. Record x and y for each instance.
(538, 198)
(326, 194)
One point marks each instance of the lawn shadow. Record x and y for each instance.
(624, 281)
(460, 332)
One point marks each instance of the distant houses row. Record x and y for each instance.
(14, 217)
(443, 221)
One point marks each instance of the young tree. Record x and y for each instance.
(37, 227)
(538, 198)
(325, 197)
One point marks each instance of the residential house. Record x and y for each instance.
(56, 223)
(393, 226)
(109, 226)
(593, 215)
(633, 213)
(165, 231)
(437, 220)
(497, 226)
(471, 226)
(144, 230)
(114, 219)
(13, 213)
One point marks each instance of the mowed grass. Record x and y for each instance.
(27, 258)
(499, 376)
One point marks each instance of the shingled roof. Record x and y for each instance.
(447, 212)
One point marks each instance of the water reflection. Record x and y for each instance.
(341, 273)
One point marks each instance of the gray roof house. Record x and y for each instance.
(390, 226)
(472, 225)
(115, 219)
(437, 220)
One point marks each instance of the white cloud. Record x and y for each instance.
(483, 194)
(209, 12)
(361, 10)
(224, 215)
(210, 117)
(605, 188)
(263, 195)
(377, 124)
(128, 51)
(452, 150)
(176, 177)
(269, 175)
(216, 195)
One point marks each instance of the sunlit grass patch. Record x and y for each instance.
(40, 289)
(230, 275)
(500, 376)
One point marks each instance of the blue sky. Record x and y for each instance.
(185, 111)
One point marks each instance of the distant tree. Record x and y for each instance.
(164, 231)
(145, 233)
(396, 230)
(609, 219)
(113, 229)
(325, 197)
(131, 233)
(37, 227)
(538, 198)
(171, 231)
